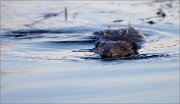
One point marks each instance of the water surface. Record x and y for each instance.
(45, 59)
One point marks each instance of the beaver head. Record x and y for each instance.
(119, 42)
(114, 49)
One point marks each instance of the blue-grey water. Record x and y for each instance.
(45, 59)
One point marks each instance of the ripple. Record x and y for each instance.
(75, 39)
(135, 57)
(24, 32)
(73, 42)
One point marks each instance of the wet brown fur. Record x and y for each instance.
(118, 42)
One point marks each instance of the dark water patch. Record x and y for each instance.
(29, 31)
(50, 33)
(78, 29)
(25, 34)
(147, 56)
(16, 35)
(31, 37)
(91, 37)
(58, 34)
(73, 42)
(97, 57)
(22, 36)
(135, 57)
(84, 50)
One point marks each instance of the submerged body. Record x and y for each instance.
(119, 42)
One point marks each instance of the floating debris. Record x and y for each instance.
(118, 21)
(65, 13)
(161, 13)
(151, 22)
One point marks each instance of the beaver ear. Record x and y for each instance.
(97, 44)
(134, 45)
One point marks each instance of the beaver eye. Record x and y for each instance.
(134, 45)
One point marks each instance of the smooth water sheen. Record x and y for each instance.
(45, 59)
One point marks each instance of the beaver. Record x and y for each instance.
(114, 43)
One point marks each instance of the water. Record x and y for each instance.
(47, 59)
